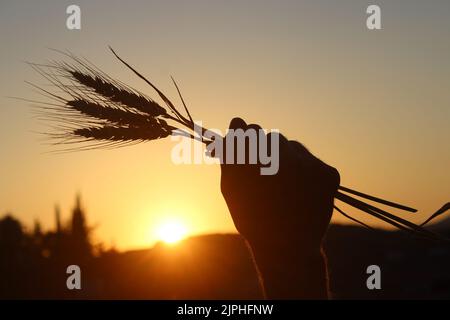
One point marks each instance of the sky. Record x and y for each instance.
(373, 103)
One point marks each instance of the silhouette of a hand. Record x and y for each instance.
(284, 216)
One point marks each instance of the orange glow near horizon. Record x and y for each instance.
(171, 231)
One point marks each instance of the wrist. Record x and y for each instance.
(291, 270)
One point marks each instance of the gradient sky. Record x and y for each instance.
(374, 104)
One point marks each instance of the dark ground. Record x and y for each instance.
(219, 267)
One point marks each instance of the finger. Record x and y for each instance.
(237, 123)
(231, 167)
(336, 177)
(298, 147)
(278, 147)
(256, 128)
(301, 153)
(282, 141)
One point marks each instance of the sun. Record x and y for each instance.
(171, 231)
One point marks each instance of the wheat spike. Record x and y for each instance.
(122, 133)
(115, 94)
(110, 114)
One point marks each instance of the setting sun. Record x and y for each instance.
(171, 231)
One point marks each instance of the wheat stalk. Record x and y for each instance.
(103, 112)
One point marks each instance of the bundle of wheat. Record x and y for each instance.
(102, 112)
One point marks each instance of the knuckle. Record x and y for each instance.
(336, 177)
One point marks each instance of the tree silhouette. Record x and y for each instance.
(58, 220)
(11, 235)
(37, 236)
(79, 231)
(37, 230)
